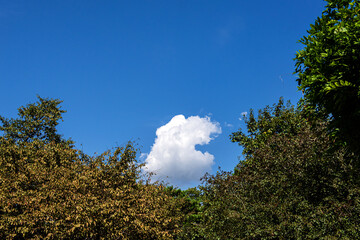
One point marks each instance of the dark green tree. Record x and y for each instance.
(291, 185)
(328, 68)
(189, 202)
(281, 118)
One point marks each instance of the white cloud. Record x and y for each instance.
(173, 154)
(143, 156)
(243, 115)
(229, 125)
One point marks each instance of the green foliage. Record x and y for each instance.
(291, 185)
(328, 67)
(278, 119)
(50, 190)
(190, 204)
(36, 121)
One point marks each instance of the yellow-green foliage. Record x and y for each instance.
(50, 190)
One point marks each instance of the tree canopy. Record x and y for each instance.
(328, 67)
(291, 185)
(51, 190)
(36, 121)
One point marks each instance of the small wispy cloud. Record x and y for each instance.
(242, 115)
(173, 155)
(143, 156)
(229, 29)
(229, 125)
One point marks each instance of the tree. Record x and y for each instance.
(36, 121)
(291, 185)
(190, 204)
(328, 68)
(279, 119)
(51, 190)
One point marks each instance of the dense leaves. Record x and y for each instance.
(49, 190)
(36, 121)
(291, 185)
(190, 204)
(279, 119)
(328, 67)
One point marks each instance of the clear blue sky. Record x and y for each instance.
(126, 68)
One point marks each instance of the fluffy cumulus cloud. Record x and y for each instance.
(173, 156)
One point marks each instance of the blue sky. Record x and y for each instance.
(126, 68)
